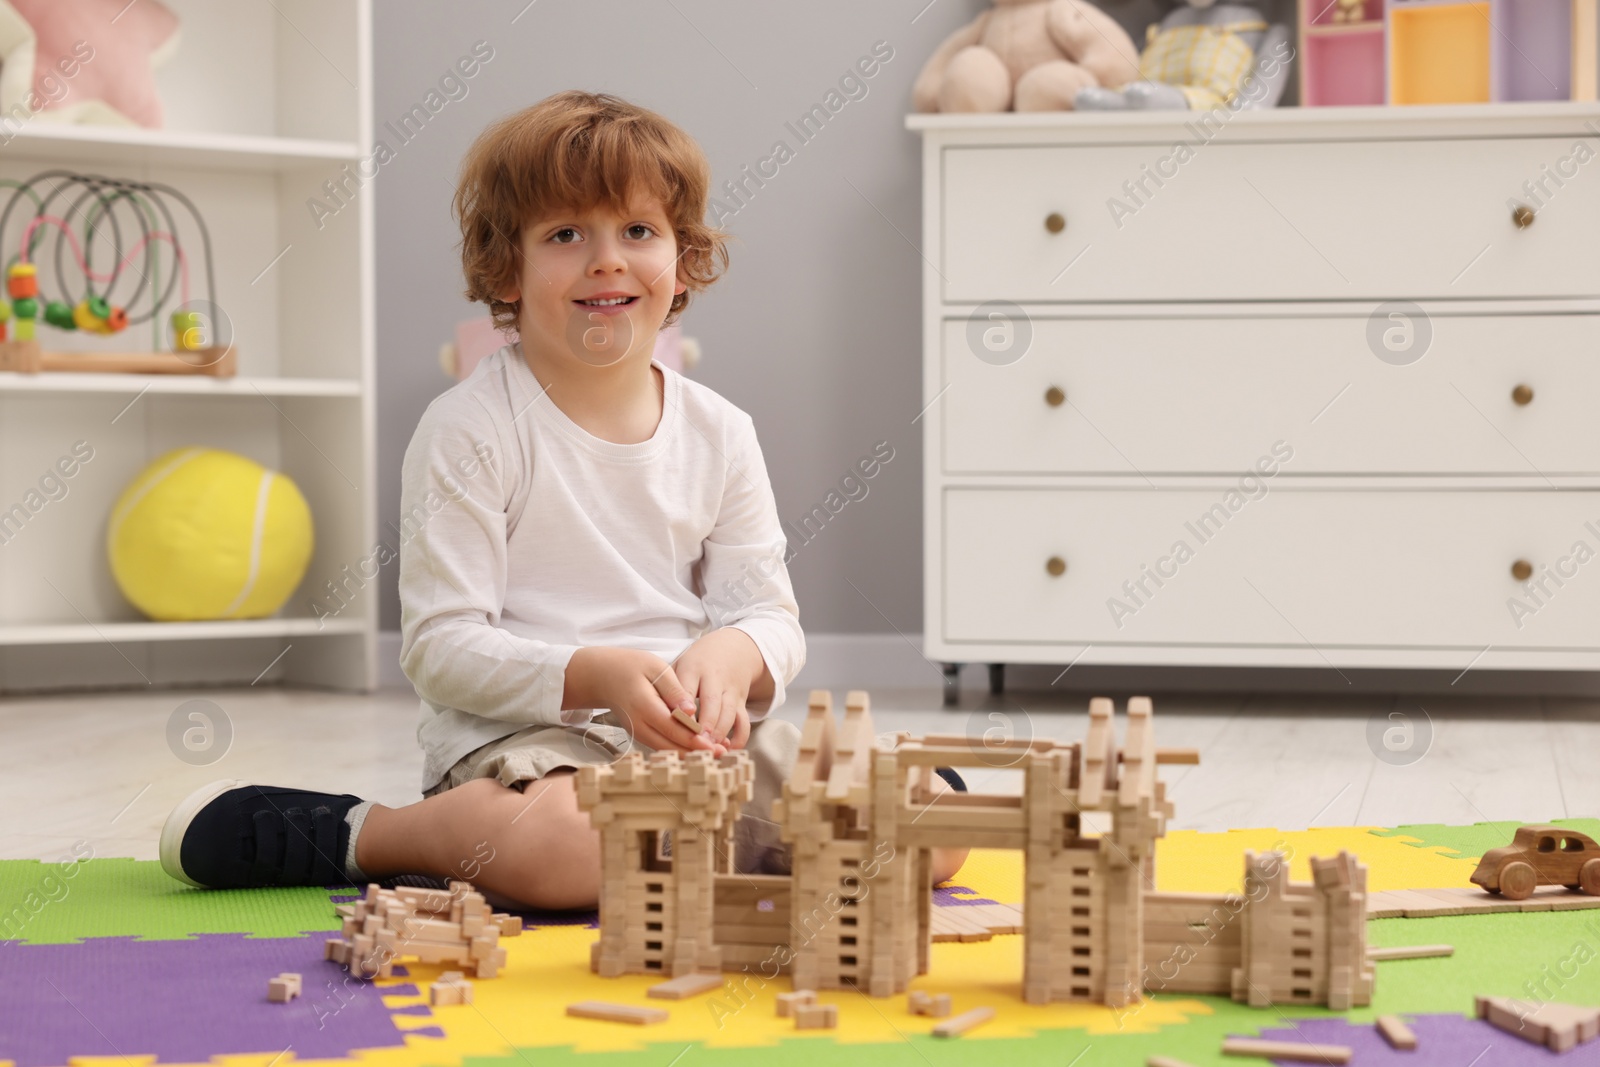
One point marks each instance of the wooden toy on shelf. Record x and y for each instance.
(200, 338)
(452, 925)
(861, 822)
(1540, 855)
(284, 988)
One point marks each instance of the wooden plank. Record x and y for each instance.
(1297, 1051)
(1410, 952)
(616, 1013)
(1095, 753)
(685, 986)
(1396, 1032)
(960, 1024)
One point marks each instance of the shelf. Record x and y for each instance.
(185, 384)
(115, 146)
(87, 633)
(1332, 29)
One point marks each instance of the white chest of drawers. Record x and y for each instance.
(1314, 388)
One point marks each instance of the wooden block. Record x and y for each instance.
(510, 925)
(1183, 757)
(935, 1006)
(284, 988)
(616, 1013)
(816, 1016)
(963, 1022)
(788, 1002)
(1396, 1032)
(1558, 1027)
(1164, 1061)
(688, 985)
(688, 720)
(1298, 1051)
(1410, 952)
(448, 990)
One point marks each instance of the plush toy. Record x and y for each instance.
(207, 534)
(1201, 57)
(84, 61)
(1026, 55)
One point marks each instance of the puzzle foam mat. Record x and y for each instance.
(119, 965)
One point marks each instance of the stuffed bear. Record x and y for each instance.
(1026, 55)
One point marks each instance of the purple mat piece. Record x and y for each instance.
(409, 1009)
(404, 989)
(345, 899)
(426, 1031)
(400, 971)
(183, 1001)
(1442, 1041)
(945, 896)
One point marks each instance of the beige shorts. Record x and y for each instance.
(528, 755)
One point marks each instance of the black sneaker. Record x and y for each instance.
(229, 835)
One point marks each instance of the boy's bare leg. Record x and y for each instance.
(534, 848)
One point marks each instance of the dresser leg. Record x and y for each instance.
(952, 684)
(997, 678)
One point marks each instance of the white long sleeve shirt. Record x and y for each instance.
(524, 538)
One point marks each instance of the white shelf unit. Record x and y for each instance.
(1173, 348)
(265, 102)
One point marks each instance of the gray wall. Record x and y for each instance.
(814, 330)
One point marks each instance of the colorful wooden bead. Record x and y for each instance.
(26, 308)
(188, 331)
(58, 313)
(22, 280)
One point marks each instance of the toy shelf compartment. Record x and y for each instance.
(1448, 52)
(56, 586)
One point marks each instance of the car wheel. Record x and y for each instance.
(1589, 878)
(1517, 880)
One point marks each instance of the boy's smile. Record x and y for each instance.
(596, 283)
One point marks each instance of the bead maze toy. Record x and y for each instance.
(137, 288)
(861, 818)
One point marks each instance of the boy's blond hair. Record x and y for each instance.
(574, 151)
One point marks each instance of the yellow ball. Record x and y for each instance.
(207, 534)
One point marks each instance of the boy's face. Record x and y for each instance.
(595, 285)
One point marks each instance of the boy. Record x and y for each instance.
(592, 543)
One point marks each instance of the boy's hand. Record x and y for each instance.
(719, 669)
(641, 688)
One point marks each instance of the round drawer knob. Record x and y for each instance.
(1522, 215)
(1523, 395)
(1055, 222)
(1054, 396)
(1056, 566)
(1522, 570)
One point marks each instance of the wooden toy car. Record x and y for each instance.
(1540, 855)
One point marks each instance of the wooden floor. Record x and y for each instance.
(100, 768)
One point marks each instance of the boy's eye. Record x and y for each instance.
(563, 236)
(639, 230)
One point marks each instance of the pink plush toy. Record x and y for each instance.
(86, 61)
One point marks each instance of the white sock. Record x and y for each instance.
(355, 817)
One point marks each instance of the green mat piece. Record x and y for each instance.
(1471, 842)
(136, 898)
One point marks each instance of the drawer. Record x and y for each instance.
(1274, 221)
(1324, 567)
(1212, 395)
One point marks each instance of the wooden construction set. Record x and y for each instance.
(861, 821)
(452, 925)
(66, 291)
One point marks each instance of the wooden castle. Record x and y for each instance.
(861, 818)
